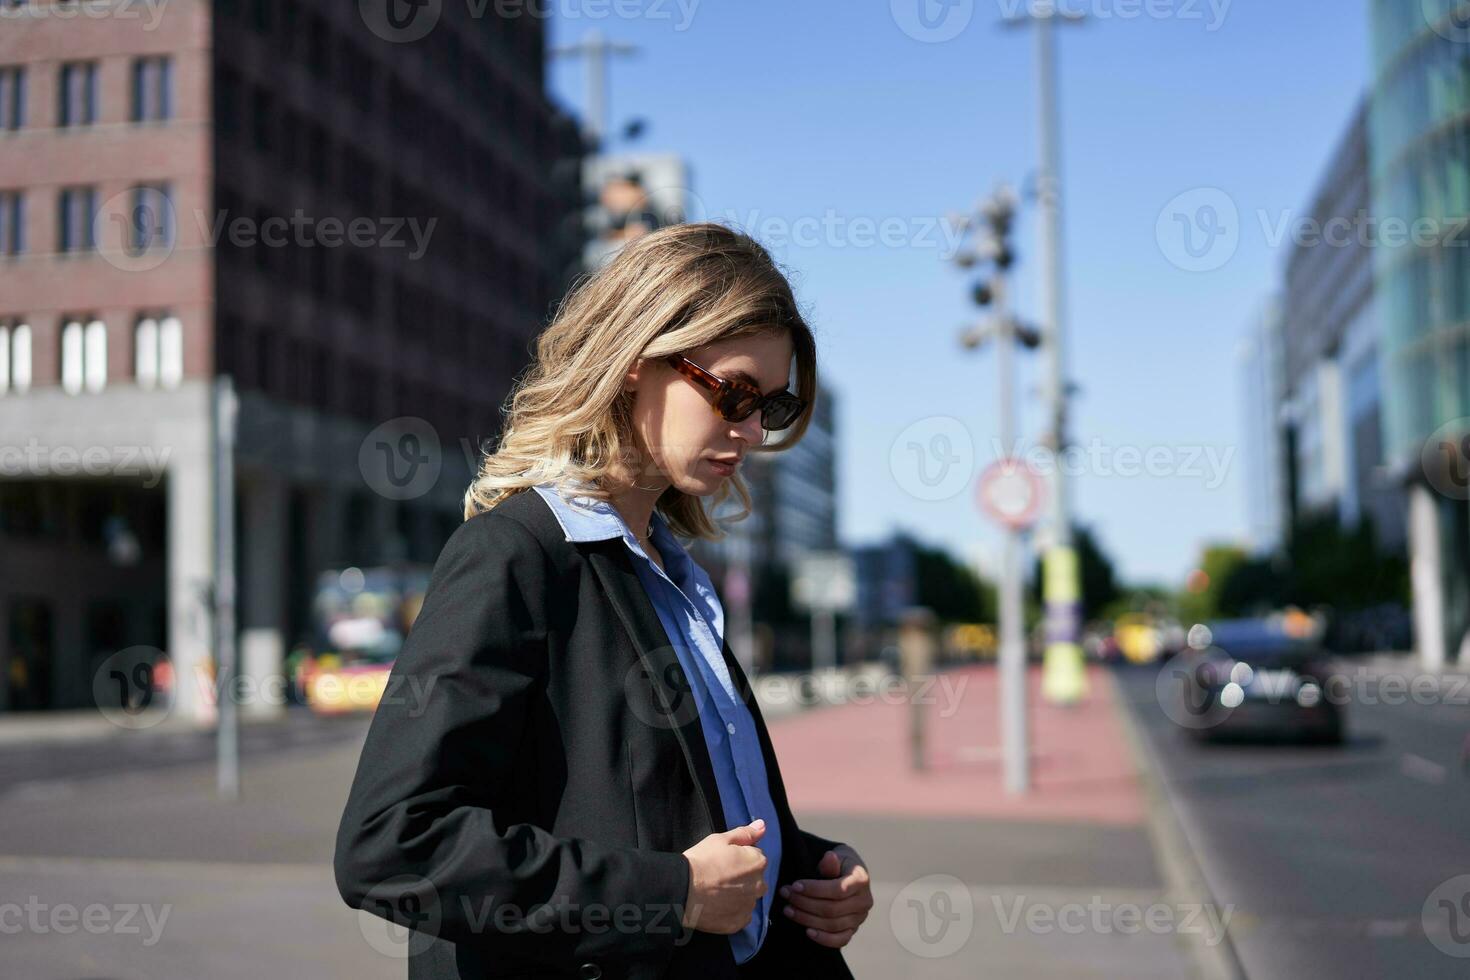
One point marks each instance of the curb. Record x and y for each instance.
(1183, 877)
(88, 725)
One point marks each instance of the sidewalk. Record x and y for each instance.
(970, 881)
(210, 888)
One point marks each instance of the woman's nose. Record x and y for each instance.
(750, 429)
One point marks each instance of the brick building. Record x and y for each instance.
(361, 228)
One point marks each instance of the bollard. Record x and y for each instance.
(916, 661)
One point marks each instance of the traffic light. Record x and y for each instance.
(992, 225)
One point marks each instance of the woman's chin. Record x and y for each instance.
(701, 484)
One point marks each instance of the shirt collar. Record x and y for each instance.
(585, 518)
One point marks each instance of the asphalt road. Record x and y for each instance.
(1339, 861)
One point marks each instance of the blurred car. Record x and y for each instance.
(360, 618)
(1104, 649)
(1255, 679)
(1137, 637)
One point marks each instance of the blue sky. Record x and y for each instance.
(825, 115)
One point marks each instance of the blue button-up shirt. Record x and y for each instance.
(694, 619)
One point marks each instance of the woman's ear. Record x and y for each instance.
(630, 380)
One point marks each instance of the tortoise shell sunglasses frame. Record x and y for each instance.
(735, 401)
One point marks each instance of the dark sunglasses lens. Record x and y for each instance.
(781, 412)
(736, 405)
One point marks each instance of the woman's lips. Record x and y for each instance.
(724, 469)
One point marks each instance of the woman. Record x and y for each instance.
(582, 785)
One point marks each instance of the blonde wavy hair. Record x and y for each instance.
(668, 292)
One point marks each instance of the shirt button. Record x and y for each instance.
(730, 727)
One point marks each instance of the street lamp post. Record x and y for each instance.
(596, 49)
(995, 220)
(1063, 679)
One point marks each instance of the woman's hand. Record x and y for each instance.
(833, 907)
(726, 879)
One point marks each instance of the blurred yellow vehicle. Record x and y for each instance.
(360, 618)
(970, 640)
(1137, 637)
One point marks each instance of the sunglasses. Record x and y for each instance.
(736, 401)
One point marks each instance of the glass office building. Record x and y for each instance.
(1421, 170)
(1420, 162)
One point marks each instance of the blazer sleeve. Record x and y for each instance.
(423, 840)
(816, 846)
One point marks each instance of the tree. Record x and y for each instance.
(1255, 586)
(950, 588)
(1343, 568)
(1322, 564)
(1200, 600)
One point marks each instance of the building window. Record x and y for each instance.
(83, 356)
(158, 352)
(290, 29)
(12, 222)
(15, 357)
(318, 46)
(227, 103)
(151, 218)
(153, 89)
(12, 97)
(291, 136)
(318, 150)
(262, 119)
(262, 16)
(76, 215)
(78, 94)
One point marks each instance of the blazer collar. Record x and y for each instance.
(613, 564)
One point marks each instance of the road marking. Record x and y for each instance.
(1422, 769)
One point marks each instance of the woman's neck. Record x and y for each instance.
(635, 499)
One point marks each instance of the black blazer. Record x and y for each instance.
(536, 769)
